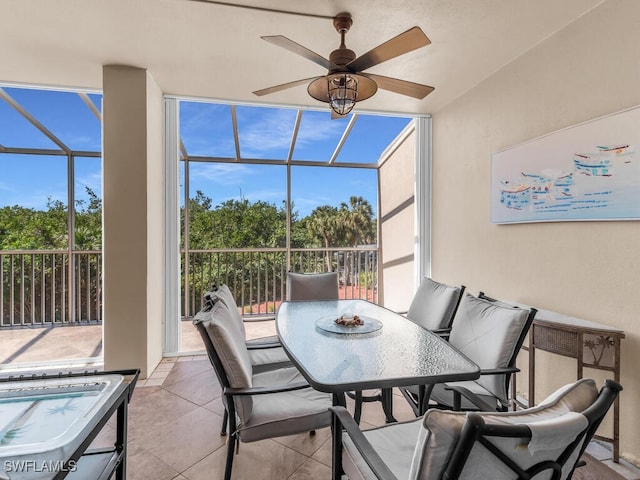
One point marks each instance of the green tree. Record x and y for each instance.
(23, 228)
(357, 218)
(201, 235)
(299, 233)
(235, 224)
(242, 224)
(325, 224)
(88, 222)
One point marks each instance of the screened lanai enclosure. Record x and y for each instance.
(262, 191)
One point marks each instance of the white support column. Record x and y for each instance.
(133, 221)
(171, 291)
(422, 263)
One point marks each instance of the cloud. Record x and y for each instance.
(323, 128)
(222, 173)
(269, 131)
(91, 180)
(80, 142)
(197, 115)
(6, 187)
(8, 195)
(305, 205)
(274, 195)
(35, 197)
(36, 200)
(263, 132)
(206, 130)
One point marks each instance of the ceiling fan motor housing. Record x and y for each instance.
(342, 56)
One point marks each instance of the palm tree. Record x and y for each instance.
(358, 220)
(357, 217)
(324, 224)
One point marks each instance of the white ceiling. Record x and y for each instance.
(215, 51)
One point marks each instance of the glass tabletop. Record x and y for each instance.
(399, 353)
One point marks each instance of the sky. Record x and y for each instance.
(206, 131)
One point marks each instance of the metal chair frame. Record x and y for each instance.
(229, 415)
(421, 404)
(476, 430)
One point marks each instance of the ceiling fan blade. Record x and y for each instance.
(284, 86)
(403, 87)
(294, 47)
(405, 42)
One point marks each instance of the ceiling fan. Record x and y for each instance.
(345, 83)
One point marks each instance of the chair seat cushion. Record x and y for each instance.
(263, 359)
(256, 342)
(442, 396)
(287, 413)
(394, 443)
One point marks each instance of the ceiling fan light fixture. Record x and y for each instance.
(342, 90)
(343, 93)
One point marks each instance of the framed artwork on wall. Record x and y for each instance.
(586, 172)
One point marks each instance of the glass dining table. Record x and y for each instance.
(380, 350)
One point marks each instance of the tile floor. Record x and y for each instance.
(175, 416)
(174, 433)
(175, 419)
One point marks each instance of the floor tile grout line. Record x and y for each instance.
(309, 459)
(149, 453)
(181, 472)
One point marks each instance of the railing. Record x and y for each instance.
(43, 287)
(257, 277)
(40, 287)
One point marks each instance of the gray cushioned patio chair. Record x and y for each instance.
(312, 286)
(543, 442)
(261, 405)
(490, 334)
(434, 305)
(320, 286)
(265, 353)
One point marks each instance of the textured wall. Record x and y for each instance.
(584, 269)
(397, 237)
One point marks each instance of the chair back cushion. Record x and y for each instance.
(224, 294)
(312, 286)
(434, 304)
(441, 431)
(488, 333)
(229, 345)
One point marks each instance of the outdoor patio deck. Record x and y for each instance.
(76, 345)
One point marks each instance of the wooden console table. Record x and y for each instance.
(593, 345)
